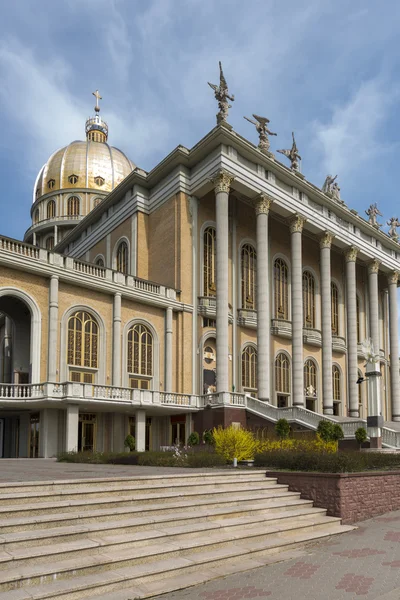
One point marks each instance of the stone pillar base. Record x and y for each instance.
(328, 411)
(375, 442)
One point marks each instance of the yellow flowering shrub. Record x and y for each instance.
(234, 443)
(310, 445)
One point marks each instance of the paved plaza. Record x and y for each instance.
(364, 563)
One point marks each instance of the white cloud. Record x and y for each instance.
(351, 137)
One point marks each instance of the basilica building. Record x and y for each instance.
(220, 287)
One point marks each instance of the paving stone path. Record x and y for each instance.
(361, 565)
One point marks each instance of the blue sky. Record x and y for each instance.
(327, 70)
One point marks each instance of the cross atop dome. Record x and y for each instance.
(98, 97)
(96, 128)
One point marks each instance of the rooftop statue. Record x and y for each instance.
(222, 95)
(293, 155)
(394, 223)
(328, 184)
(372, 213)
(367, 348)
(263, 132)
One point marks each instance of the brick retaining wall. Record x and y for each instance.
(351, 496)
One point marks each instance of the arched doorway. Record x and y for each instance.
(209, 366)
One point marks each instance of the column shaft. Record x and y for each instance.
(168, 350)
(222, 185)
(140, 430)
(296, 228)
(72, 424)
(373, 270)
(116, 374)
(352, 366)
(394, 347)
(53, 330)
(327, 393)
(262, 206)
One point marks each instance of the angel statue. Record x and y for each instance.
(263, 132)
(328, 184)
(372, 213)
(293, 155)
(222, 96)
(367, 347)
(393, 223)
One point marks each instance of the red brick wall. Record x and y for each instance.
(351, 496)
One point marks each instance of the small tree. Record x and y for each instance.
(234, 443)
(193, 439)
(361, 436)
(325, 431)
(337, 433)
(282, 429)
(208, 438)
(130, 442)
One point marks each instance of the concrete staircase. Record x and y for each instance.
(129, 538)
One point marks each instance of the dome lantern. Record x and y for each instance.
(96, 129)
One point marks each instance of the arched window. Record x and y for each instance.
(73, 206)
(358, 321)
(51, 209)
(335, 308)
(249, 368)
(310, 379)
(248, 268)
(308, 300)
(282, 374)
(209, 261)
(336, 383)
(281, 293)
(36, 216)
(82, 352)
(99, 262)
(122, 258)
(50, 243)
(140, 356)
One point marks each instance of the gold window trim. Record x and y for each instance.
(209, 261)
(335, 308)
(249, 274)
(308, 300)
(281, 292)
(140, 352)
(122, 258)
(83, 334)
(73, 205)
(282, 374)
(249, 368)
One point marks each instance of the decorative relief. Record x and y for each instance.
(351, 254)
(326, 240)
(222, 182)
(393, 277)
(262, 204)
(373, 267)
(296, 224)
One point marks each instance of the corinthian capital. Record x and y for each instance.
(393, 277)
(373, 266)
(262, 204)
(222, 181)
(296, 224)
(351, 254)
(326, 240)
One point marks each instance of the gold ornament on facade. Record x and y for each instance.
(296, 224)
(373, 266)
(262, 204)
(393, 277)
(326, 240)
(222, 182)
(351, 254)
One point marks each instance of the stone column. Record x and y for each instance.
(168, 350)
(296, 228)
(7, 366)
(72, 424)
(352, 370)
(53, 329)
(55, 235)
(394, 346)
(373, 270)
(48, 432)
(326, 321)
(222, 183)
(140, 430)
(116, 349)
(24, 425)
(34, 239)
(262, 206)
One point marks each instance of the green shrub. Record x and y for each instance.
(325, 430)
(124, 458)
(208, 437)
(130, 442)
(361, 435)
(337, 433)
(157, 459)
(342, 462)
(193, 439)
(282, 429)
(97, 458)
(205, 460)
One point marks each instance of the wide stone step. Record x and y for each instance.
(104, 541)
(221, 517)
(81, 504)
(133, 490)
(36, 487)
(105, 558)
(164, 574)
(235, 506)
